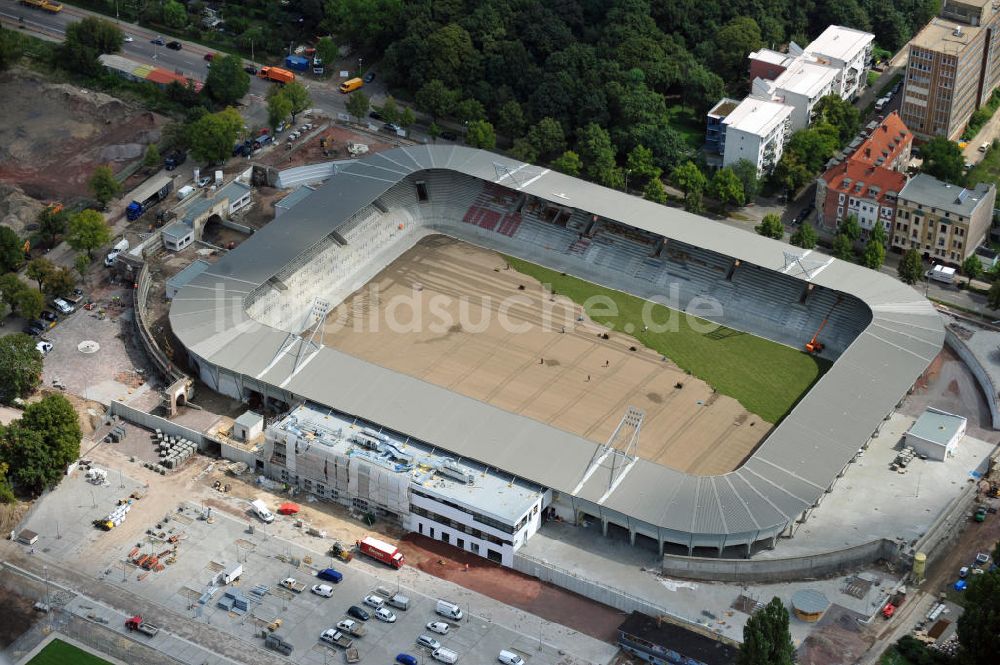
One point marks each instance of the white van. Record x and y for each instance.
(444, 655)
(449, 610)
(509, 658)
(121, 246)
(261, 511)
(942, 274)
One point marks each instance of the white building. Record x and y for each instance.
(392, 477)
(757, 130)
(936, 434)
(800, 86)
(848, 51)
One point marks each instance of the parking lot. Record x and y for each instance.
(205, 547)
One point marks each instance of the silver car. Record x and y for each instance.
(428, 641)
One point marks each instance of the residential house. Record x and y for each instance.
(944, 222)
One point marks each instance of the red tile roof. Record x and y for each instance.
(164, 77)
(844, 178)
(889, 140)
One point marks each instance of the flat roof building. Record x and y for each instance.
(756, 130)
(802, 85)
(944, 222)
(936, 434)
(850, 52)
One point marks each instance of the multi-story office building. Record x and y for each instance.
(952, 69)
(756, 130)
(944, 222)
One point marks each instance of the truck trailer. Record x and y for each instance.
(137, 624)
(44, 5)
(384, 552)
(147, 195)
(276, 74)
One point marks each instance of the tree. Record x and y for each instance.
(174, 14)
(52, 222)
(327, 51)
(874, 254)
(726, 187)
(481, 135)
(843, 115)
(972, 267)
(693, 202)
(60, 283)
(805, 236)
(943, 159)
(911, 267)
(470, 109)
(814, 146)
(597, 153)
(227, 82)
(733, 42)
(850, 227)
(766, 640)
(298, 96)
(641, 165)
(40, 270)
(152, 158)
(979, 624)
(103, 185)
(688, 178)
(57, 421)
(655, 192)
(771, 227)
(434, 131)
(28, 303)
(6, 493)
(212, 137)
(11, 250)
(31, 466)
(843, 247)
(358, 105)
(791, 173)
(82, 264)
(510, 119)
(87, 39)
(993, 299)
(88, 230)
(10, 48)
(407, 118)
(569, 163)
(436, 99)
(746, 171)
(547, 137)
(20, 367)
(279, 107)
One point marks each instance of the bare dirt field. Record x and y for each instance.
(446, 312)
(54, 135)
(511, 587)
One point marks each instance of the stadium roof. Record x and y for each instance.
(786, 475)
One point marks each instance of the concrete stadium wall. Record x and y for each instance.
(978, 371)
(825, 564)
(160, 360)
(303, 175)
(946, 529)
(151, 422)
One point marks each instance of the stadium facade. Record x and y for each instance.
(240, 320)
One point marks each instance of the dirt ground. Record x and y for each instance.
(18, 615)
(511, 587)
(455, 334)
(838, 638)
(54, 135)
(287, 155)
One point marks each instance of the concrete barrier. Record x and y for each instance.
(151, 422)
(825, 564)
(982, 376)
(160, 360)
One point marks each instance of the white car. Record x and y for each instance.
(383, 614)
(44, 347)
(371, 600)
(204, 180)
(439, 627)
(63, 306)
(128, 39)
(428, 641)
(509, 658)
(324, 590)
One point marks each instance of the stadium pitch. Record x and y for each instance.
(465, 318)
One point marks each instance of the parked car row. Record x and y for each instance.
(48, 320)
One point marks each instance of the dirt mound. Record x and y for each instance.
(17, 210)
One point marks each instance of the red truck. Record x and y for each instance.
(897, 599)
(384, 552)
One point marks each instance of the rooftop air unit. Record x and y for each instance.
(456, 471)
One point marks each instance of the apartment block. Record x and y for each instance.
(952, 69)
(715, 127)
(801, 86)
(944, 222)
(769, 64)
(848, 51)
(756, 130)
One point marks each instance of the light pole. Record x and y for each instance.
(627, 172)
(360, 60)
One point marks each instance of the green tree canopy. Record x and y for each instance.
(152, 158)
(212, 137)
(327, 51)
(174, 14)
(87, 39)
(655, 192)
(52, 223)
(103, 185)
(40, 270)
(60, 283)
(911, 267)
(726, 188)
(11, 250)
(57, 421)
(688, 178)
(20, 367)
(843, 247)
(298, 96)
(548, 138)
(972, 267)
(943, 159)
(470, 109)
(771, 227)
(31, 467)
(733, 42)
(481, 135)
(227, 83)
(850, 227)
(766, 639)
(510, 119)
(693, 202)
(10, 48)
(979, 624)
(358, 105)
(597, 153)
(814, 146)
(436, 99)
(746, 171)
(642, 165)
(569, 163)
(805, 236)
(841, 114)
(279, 107)
(82, 264)
(88, 230)
(874, 254)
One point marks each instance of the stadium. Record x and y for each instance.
(420, 436)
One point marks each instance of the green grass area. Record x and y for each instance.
(893, 657)
(767, 378)
(872, 77)
(688, 123)
(58, 652)
(987, 170)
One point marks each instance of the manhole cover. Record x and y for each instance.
(88, 346)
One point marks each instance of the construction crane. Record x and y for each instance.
(814, 345)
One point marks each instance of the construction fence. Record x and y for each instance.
(152, 423)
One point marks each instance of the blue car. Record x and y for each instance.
(406, 659)
(330, 575)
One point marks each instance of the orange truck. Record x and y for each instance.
(47, 5)
(276, 74)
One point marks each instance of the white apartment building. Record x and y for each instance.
(848, 51)
(393, 477)
(756, 130)
(800, 86)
